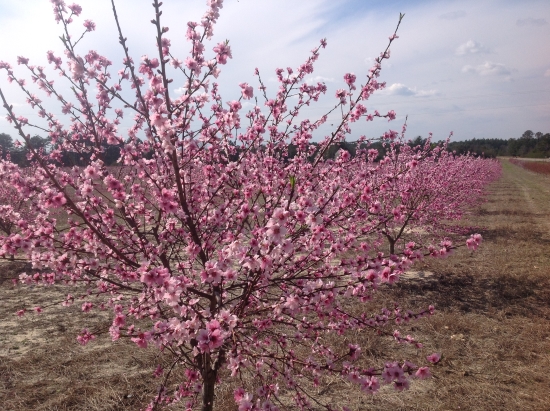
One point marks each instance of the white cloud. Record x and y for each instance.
(319, 79)
(487, 69)
(547, 73)
(530, 21)
(471, 47)
(453, 15)
(398, 89)
(426, 93)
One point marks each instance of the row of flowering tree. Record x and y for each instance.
(211, 243)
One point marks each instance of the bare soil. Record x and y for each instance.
(491, 326)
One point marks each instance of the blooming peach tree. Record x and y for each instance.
(14, 210)
(209, 240)
(434, 189)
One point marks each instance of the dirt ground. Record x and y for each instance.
(491, 326)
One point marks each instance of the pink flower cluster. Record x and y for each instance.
(228, 238)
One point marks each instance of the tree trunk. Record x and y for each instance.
(392, 245)
(209, 383)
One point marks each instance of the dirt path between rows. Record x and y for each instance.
(536, 191)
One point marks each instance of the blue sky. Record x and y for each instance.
(478, 68)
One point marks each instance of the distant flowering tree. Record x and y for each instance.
(434, 188)
(208, 240)
(10, 203)
(15, 210)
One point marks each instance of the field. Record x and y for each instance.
(538, 166)
(491, 326)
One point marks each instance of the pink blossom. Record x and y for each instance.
(154, 277)
(158, 371)
(119, 320)
(375, 208)
(223, 52)
(90, 25)
(91, 172)
(392, 372)
(234, 105)
(77, 68)
(370, 385)
(434, 358)
(141, 340)
(275, 232)
(76, 9)
(192, 65)
(245, 403)
(239, 394)
(85, 337)
(350, 80)
(203, 339)
(341, 94)
(176, 63)
(87, 306)
(423, 373)
(474, 241)
(247, 91)
(355, 351)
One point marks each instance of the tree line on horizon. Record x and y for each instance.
(530, 145)
(18, 153)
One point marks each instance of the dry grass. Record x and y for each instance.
(42, 367)
(491, 325)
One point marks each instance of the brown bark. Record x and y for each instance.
(209, 383)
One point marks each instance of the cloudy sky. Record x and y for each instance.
(478, 68)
